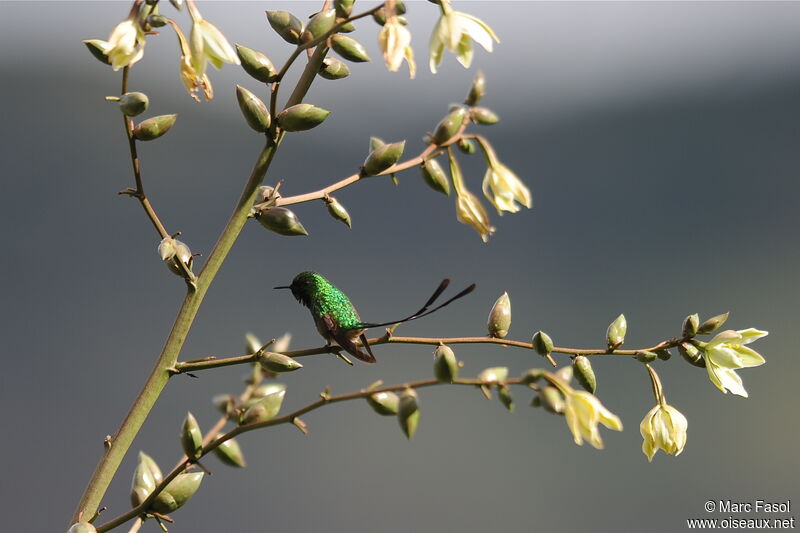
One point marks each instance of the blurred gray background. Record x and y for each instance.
(661, 145)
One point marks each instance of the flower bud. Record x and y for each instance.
(584, 375)
(375, 143)
(254, 110)
(646, 356)
(302, 117)
(132, 104)
(466, 146)
(690, 325)
(173, 252)
(144, 480)
(379, 16)
(343, 7)
(264, 409)
(157, 21)
(542, 343)
(383, 158)
(384, 403)
(712, 324)
(449, 126)
(153, 128)
(445, 365)
(286, 25)
(408, 412)
(333, 69)
(476, 91)
(532, 376)
(338, 211)
(493, 374)
(504, 395)
(277, 362)
(177, 492)
(500, 317)
(692, 354)
(256, 64)
(82, 527)
(96, 47)
(552, 399)
(349, 48)
(481, 115)
(282, 221)
(615, 335)
(319, 25)
(230, 453)
(434, 176)
(663, 354)
(191, 438)
(177, 4)
(265, 390)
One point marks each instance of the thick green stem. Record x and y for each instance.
(122, 440)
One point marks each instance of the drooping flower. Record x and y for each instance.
(189, 76)
(663, 428)
(125, 45)
(207, 43)
(470, 211)
(503, 188)
(455, 31)
(584, 412)
(726, 353)
(395, 42)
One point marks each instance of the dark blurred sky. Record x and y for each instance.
(660, 143)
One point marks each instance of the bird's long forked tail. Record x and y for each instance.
(424, 310)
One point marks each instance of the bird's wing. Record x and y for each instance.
(344, 338)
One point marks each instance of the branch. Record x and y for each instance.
(325, 399)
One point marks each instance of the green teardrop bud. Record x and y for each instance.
(481, 115)
(434, 176)
(375, 143)
(615, 334)
(177, 4)
(467, 146)
(690, 325)
(584, 375)
(191, 438)
(319, 25)
(338, 211)
(399, 7)
(333, 69)
(343, 7)
(476, 91)
(157, 21)
(153, 128)
(532, 376)
(663, 354)
(253, 109)
(552, 399)
(264, 409)
(265, 390)
(504, 395)
(646, 356)
(82, 527)
(379, 16)
(692, 354)
(542, 343)
(177, 492)
(277, 362)
(445, 365)
(151, 465)
(449, 126)
(712, 324)
(408, 412)
(349, 48)
(347, 27)
(499, 320)
(230, 453)
(143, 482)
(494, 374)
(383, 158)
(286, 25)
(282, 221)
(95, 46)
(302, 117)
(256, 64)
(384, 403)
(132, 104)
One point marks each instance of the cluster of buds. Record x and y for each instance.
(403, 406)
(147, 477)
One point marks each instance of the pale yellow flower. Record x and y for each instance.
(455, 31)
(584, 412)
(189, 76)
(395, 42)
(207, 43)
(470, 211)
(503, 188)
(125, 45)
(726, 353)
(664, 428)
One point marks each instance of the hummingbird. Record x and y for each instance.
(336, 318)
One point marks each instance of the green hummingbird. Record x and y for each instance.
(337, 320)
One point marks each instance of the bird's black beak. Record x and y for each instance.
(285, 287)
